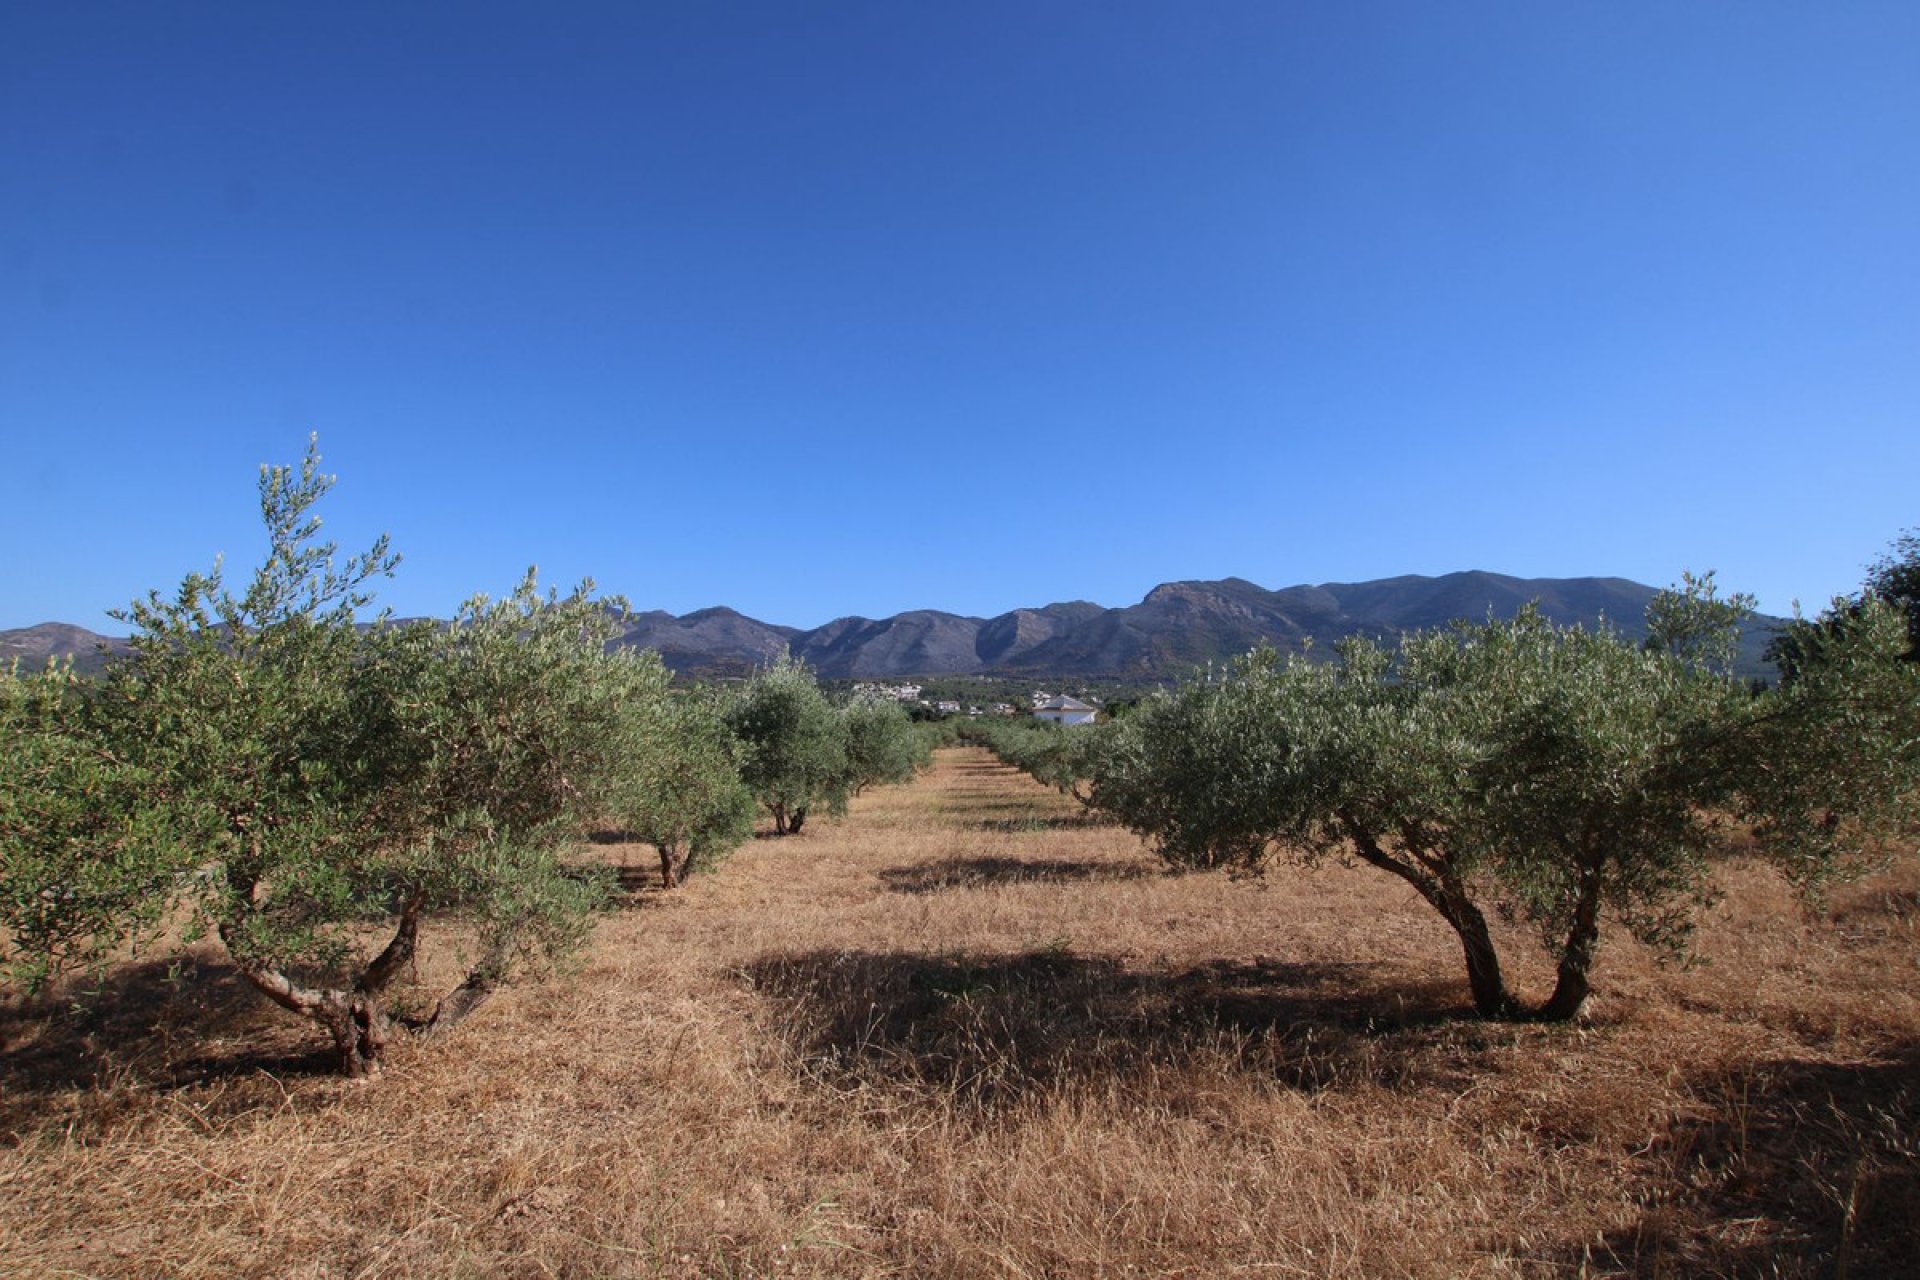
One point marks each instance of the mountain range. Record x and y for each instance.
(1177, 627)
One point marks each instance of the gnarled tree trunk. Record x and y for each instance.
(1491, 999)
(1447, 893)
(1572, 986)
(356, 1018)
(359, 1026)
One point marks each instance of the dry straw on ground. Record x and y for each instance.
(966, 1032)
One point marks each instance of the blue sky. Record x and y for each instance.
(823, 309)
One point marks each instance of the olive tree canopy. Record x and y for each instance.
(1561, 774)
(306, 790)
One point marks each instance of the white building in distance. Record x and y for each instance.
(1065, 710)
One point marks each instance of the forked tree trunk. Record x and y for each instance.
(795, 820)
(1448, 895)
(360, 1030)
(780, 827)
(357, 1019)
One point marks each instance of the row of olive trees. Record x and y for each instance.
(308, 791)
(800, 754)
(1559, 775)
(1059, 756)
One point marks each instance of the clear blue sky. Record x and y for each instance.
(819, 309)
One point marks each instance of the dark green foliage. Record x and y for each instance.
(1892, 581)
(1830, 763)
(83, 862)
(1895, 578)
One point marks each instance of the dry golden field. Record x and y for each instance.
(965, 1033)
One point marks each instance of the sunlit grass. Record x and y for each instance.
(966, 1031)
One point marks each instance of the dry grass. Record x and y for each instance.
(963, 1033)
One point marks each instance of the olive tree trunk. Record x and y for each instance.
(1572, 985)
(356, 1018)
(1446, 892)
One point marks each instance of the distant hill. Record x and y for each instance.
(32, 646)
(1183, 624)
(1178, 626)
(709, 640)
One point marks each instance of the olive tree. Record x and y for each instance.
(305, 790)
(882, 746)
(1829, 765)
(794, 756)
(680, 788)
(1892, 584)
(1557, 773)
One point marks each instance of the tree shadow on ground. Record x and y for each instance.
(1878, 913)
(636, 884)
(157, 1026)
(1785, 1168)
(987, 805)
(990, 1030)
(1035, 822)
(987, 870)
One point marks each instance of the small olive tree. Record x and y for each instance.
(306, 790)
(680, 788)
(1561, 774)
(794, 756)
(882, 746)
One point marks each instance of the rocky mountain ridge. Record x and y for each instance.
(1175, 628)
